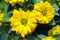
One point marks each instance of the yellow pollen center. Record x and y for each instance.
(23, 21)
(43, 12)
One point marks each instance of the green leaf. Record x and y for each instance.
(37, 1)
(33, 1)
(13, 36)
(58, 37)
(57, 14)
(30, 6)
(53, 23)
(4, 8)
(37, 38)
(51, 34)
(6, 17)
(41, 36)
(57, 19)
(16, 38)
(33, 38)
(51, 1)
(4, 35)
(55, 6)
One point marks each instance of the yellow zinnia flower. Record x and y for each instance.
(23, 22)
(45, 11)
(58, 2)
(13, 2)
(55, 30)
(48, 38)
(0, 23)
(1, 17)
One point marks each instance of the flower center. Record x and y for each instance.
(43, 12)
(23, 21)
